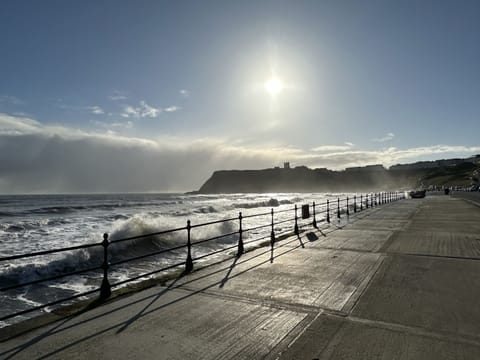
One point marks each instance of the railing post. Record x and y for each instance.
(272, 234)
(240, 236)
(376, 202)
(366, 201)
(361, 202)
(297, 232)
(371, 200)
(328, 211)
(348, 210)
(314, 217)
(189, 262)
(338, 208)
(105, 289)
(354, 203)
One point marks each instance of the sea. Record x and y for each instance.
(35, 223)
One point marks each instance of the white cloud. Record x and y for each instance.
(172, 108)
(11, 100)
(185, 93)
(129, 111)
(387, 137)
(118, 95)
(143, 110)
(18, 125)
(97, 110)
(332, 148)
(110, 125)
(148, 111)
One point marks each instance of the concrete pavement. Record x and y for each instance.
(399, 281)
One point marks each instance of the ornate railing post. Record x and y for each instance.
(189, 262)
(328, 211)
(240, 235)
(338, 208)
(348, 210)
(272, 233)
(361, 202)
(297, 232)
(366, 201)
(314, 217)
(105, 289)
(354, 203)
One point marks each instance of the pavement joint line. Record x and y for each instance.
(435, 256)
(363, 251)
(472, 202)
(463, 338)
(302, 331)
(364, 285)
(271, 303)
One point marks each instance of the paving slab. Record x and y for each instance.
(322, 278)
(347, 239)
(440, 243)
(159, 324)
(340, 338)
(439, 294)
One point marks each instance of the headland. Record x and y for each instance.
(426, 174)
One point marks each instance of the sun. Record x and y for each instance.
(274, 86)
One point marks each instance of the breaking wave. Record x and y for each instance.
(269, 203)
(139, 224)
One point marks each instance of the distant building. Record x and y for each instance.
(286, 165)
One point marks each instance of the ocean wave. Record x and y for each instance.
(269, 203)
(23, 226)
(205, 210)
(139, 224)
(69, 209)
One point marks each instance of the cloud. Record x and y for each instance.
(8, 99)
(332, 148)
(118, 95)
(185, 93)
(117, 124)
(387, 137)
(97, 110)
(143, 110)
(172, 108)
(17, 125)
(37, 158)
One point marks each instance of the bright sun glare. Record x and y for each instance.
(274, 86)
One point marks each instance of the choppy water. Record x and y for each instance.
(36, 223)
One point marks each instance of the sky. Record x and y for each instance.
(134, 96)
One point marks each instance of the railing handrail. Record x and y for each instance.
(340, 206)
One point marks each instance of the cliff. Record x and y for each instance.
(453, 172)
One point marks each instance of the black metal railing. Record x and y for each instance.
(268, 233)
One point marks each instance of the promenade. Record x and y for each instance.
(400, 281)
